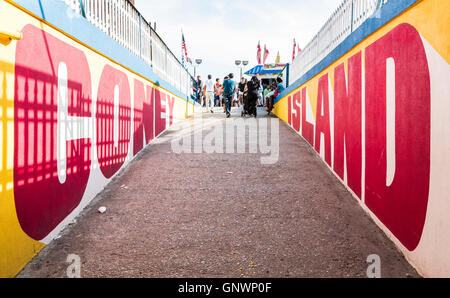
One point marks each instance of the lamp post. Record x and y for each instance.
(197, 63)
(238, 64)
(244, 63)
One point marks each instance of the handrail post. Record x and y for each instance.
(122, 22)
(351, 21)
(140, 36)
(83, 13)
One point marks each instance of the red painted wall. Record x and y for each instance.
(42, 199)
(402, 205)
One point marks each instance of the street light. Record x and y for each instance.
(238, 63)
(197, 63)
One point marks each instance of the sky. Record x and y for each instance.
(220, 32)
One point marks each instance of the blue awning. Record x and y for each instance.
(266, 69)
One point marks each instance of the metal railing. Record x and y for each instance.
(122, 21)
(346, 18)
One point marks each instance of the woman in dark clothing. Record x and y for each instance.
(252, 95)
(241, 89)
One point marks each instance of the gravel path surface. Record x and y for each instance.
(223, 215)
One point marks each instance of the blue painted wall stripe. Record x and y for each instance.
(382, 16)
(57, 13)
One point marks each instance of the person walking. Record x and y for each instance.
(217, 93)
(223, 100)
(252, 95)
(199, 90)
(209, 93)
(241, 87)
(260, 96)
(229, 89)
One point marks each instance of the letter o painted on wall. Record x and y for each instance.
(113, 118)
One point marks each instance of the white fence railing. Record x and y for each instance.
(346, 19)
(122, 21)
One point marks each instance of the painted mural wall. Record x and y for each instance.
(70, 119)
(379, 117)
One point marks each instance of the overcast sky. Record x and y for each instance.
(220, 32)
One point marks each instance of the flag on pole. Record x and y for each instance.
(258, 53)
(298, 50)
(266, 54)
(293, 52)
(183, 50)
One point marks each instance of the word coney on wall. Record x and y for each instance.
(75, 108)
(396, 186)
(59, 125)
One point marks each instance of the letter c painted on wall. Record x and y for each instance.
(43, 195)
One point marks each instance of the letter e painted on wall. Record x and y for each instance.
(160, 111)
(143, 115)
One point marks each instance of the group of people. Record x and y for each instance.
(248, 93)
(271, 92)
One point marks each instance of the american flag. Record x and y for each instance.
(183, 50)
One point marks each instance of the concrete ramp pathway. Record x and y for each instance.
(223, 215)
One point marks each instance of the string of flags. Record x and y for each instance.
(261, 57)
(259, 54)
